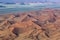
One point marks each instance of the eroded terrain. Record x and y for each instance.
(35, 25)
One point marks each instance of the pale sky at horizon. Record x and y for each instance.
(29, 0)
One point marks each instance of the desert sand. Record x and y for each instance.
(34, 25)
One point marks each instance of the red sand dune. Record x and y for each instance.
(35, 25)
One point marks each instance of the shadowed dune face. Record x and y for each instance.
(35, 25)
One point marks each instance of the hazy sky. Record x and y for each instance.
(29, 0)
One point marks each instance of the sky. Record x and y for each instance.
(29, 0)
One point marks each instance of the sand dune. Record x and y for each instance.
(35, 25)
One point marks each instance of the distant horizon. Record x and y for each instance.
(28, 2)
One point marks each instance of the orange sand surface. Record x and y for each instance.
(35, 25)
